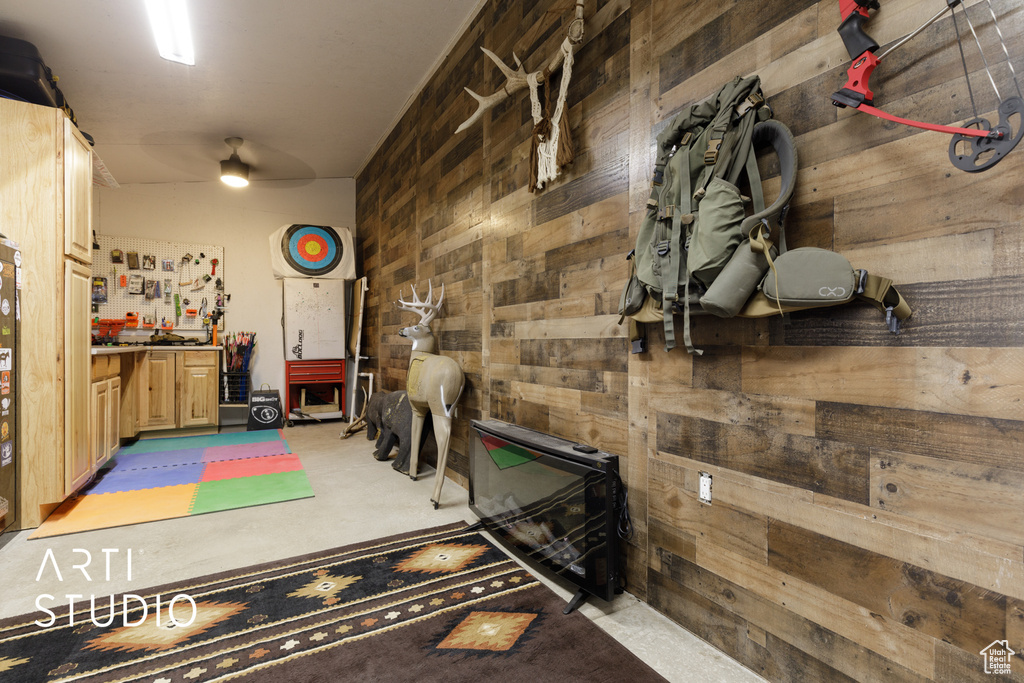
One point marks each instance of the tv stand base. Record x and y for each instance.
(576, 601)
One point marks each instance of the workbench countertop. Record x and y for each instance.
(108, 350)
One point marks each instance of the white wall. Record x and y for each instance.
(241, 221)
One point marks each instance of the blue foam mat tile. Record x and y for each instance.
(136, 461)
(117, 481)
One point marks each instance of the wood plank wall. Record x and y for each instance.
(868, 510)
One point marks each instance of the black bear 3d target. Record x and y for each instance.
(318, 251)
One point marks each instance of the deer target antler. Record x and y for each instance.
(426, 310)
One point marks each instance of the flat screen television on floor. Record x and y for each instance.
(551, 500)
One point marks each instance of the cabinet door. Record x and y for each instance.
(156, 400)
(77, 379)
(131, 371)
(99, 413)
(199, 406)
(113, 425)
(77, 194)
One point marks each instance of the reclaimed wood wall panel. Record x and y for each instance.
(868, 501)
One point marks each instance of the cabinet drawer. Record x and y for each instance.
(100, 365)
(193, 358)
(315, 371)
(105, 366)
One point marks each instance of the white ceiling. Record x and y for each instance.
(311, 85)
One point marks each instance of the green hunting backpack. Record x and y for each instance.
(698, 250)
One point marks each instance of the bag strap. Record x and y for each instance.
(880, 293)
(760, 243)
(637, 339)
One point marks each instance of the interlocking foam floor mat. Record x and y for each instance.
(158, 479)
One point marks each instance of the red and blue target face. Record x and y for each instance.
(312, 250)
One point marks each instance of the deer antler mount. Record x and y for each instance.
(552, 145)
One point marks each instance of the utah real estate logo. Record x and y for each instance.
(997, 657)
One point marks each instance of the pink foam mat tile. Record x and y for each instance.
(251, 450)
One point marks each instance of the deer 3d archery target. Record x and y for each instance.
(319, 251)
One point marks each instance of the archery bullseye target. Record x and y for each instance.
(312, 249)
(319, 251)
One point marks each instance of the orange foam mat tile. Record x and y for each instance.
(105, 510)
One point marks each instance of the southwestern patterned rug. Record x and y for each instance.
(439, 604)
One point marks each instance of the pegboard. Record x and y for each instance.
(119, 299)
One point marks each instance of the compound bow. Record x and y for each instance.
(976, 146)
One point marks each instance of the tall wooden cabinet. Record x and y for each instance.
(46, 206)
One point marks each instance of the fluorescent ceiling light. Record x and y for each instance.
(169, 19)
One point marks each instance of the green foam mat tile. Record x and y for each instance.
(227, 494)
(177, 443)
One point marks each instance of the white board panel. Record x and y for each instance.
(314, 318)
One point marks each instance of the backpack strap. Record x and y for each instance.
(673, 258)
(681, 219)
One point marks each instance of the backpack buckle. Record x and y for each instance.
(752, 101)
(891, 321)
(711, 155)
(663, 248)
(667, 212)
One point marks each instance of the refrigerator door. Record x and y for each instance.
(314, 319)
(9, 314)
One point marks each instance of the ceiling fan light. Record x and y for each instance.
(234, 172)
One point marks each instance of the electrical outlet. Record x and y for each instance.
(704, 488)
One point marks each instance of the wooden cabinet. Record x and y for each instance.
(81, 468)
(104, 411)
(112, 443)
(130, 376)
(178, 389)
(157, 405)
(78, 292)
(77, 194)
(46, 206)
(198, 405)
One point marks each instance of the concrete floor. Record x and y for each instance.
(357, 499)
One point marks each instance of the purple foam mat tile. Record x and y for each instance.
(133, 461)
(250, 450)
(118, 481)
